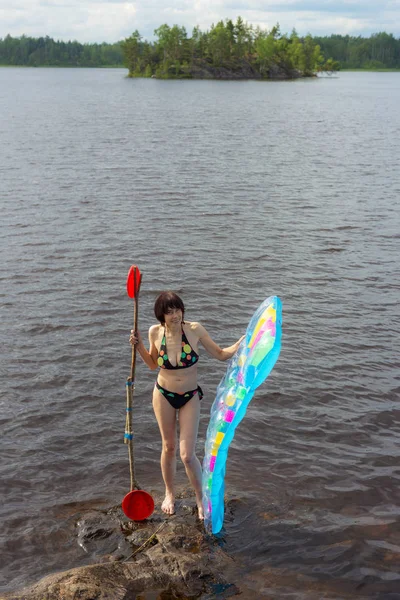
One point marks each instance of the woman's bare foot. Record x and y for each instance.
(200, 510)
(168, 506)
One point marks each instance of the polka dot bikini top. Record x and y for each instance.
(188, 356)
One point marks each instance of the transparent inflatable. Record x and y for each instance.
(251, 365)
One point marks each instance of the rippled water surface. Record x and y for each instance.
(226, 192)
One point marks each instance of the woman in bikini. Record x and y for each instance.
(174, 349)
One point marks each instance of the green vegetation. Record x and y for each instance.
(236, 49)
(227, 50)
(45, 52)
(379, 51)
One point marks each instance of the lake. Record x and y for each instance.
(226, 192)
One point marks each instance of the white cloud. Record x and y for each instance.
(86, 21)
(112, 20)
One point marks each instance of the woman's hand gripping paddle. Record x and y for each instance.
(137, 504)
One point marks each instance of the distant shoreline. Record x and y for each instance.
(174, 50)
(393, 70)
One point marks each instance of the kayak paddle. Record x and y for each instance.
(137, 504)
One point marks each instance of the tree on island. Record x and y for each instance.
(330, 66)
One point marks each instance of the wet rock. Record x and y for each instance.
(138, 538)
(172, 555)
(279, 72)
(99, 533)
(238, 70)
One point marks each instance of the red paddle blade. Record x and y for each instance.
(133, 281)
(138, 505)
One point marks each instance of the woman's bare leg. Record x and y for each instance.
(166, 419)
(189, 416)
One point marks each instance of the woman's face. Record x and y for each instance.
(173, 317)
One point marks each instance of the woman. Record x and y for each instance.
(174, 349)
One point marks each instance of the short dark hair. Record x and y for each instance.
(166, 301)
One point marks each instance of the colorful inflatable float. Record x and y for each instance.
(251, 365)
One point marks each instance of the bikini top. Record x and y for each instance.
(188, 356)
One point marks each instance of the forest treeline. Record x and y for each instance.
(45, 52)
(381, 50)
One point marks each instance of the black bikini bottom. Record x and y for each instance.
(179, 400)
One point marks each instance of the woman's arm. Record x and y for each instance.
(149, 357)
(213, 348)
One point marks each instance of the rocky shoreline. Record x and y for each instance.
(241, 71)
(172, 556)
(228, 71)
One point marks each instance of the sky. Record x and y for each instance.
(113, 20)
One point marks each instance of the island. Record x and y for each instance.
(227, 51)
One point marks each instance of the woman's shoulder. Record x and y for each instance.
(195, 327)
(155, 330)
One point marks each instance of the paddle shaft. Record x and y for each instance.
(129, 398)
